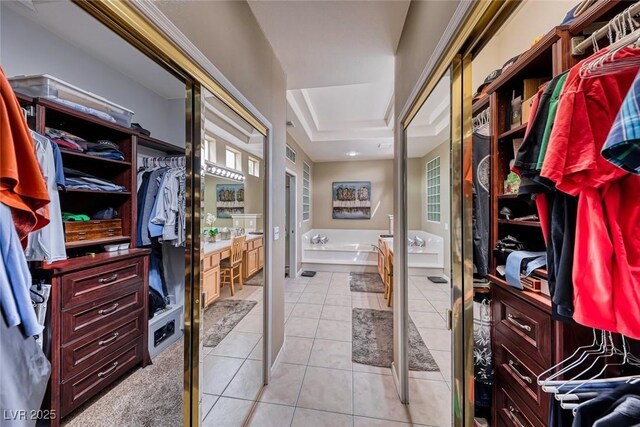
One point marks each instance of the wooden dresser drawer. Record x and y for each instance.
(512, 412)
(257, 243)
(91, 349)
(515, 368)
(84, 319)
(82, 387)
(526, 326)
(106, 280)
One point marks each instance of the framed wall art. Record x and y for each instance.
(351, 200)
(229, 199)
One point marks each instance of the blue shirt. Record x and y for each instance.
(15, 278)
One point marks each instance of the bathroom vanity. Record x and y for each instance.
(214, 253)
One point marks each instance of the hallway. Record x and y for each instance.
(315, 378)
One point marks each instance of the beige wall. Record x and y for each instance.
(297, 168)
(253, 186)
(379, 172)
(229, 35)
(533, 18)
(415, 193)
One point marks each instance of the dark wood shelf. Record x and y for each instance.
(96, 192)
(534, 59)
(520, 223)
(515, 132)
(536, 298)
(600, 10)
(480, 105)
(78, 115)
(23, 99)
(508, 196)
(79, 263)
(94, 242)
(156, 144)
(94, 158)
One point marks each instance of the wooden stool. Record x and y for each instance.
(231, 269)
(388, 273)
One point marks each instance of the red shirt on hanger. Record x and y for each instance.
(606, 268)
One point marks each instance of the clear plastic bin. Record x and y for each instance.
(49, 87)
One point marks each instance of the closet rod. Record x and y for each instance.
(588, 42)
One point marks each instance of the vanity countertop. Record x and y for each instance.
(221, 245)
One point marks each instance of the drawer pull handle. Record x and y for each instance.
(513, 320)
(513, 414)
(109, 340)
(512, 365)
(106, 280)
(108, 371)
(107, 311)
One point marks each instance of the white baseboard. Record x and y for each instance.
(299, 273)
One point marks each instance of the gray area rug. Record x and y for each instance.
(366, 282)
(145, 397)
(373, 341)
(256, 280)
(222, 316)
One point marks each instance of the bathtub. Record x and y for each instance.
(359, 248)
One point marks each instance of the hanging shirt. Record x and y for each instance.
(622, 147)
(606, 268)
(22, 186)
(553, 109)
(15, 279)
(48, 243)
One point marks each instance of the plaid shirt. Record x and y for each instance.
(622, 147)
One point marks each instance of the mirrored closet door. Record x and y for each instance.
(232, 325)
(427, 258)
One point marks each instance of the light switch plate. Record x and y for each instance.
(276, 233)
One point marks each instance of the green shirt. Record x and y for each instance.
(553, 108)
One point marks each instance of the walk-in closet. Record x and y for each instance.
(106, 266)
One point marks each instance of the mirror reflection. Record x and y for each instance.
(232, 262)
(428, 217)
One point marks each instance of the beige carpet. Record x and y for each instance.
(144, 398)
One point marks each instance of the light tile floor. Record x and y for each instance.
(316, 383)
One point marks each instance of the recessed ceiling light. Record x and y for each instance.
(352, 154)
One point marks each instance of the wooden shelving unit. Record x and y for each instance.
(49, 114)
(520, 223)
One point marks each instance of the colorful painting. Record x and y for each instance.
(352, 200)
(229, 199)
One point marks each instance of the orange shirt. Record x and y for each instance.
(22, 186)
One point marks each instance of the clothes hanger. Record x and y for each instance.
(548, 385)
(595, 344)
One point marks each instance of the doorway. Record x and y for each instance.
(291, 261)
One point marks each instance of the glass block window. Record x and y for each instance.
(306, 192)
(433, 190)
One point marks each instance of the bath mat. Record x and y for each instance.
(221, 317)
(373, 341)
(437, 279)
(308, 274)
(366, 282)
(256, 280)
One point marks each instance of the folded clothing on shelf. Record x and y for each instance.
(65, 140)
(78, 180)
(104, 149)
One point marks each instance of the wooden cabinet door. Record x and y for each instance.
(252, 261)
(260, 257)
(211, 285)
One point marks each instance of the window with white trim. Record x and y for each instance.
(433, 190)
(291, 154)
(254, 167)
(233, 159)
(210, 150)
(306, 192)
